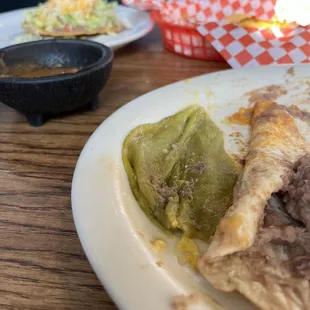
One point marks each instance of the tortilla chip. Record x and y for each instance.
(77, 31)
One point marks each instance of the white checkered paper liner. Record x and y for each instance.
(241, 48)
(199, 12)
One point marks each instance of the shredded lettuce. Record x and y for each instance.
(102, 16)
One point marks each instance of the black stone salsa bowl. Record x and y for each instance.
(41, 97)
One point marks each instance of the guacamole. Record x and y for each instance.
(179, 172)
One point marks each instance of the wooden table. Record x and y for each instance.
(42, 264)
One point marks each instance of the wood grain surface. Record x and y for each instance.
(42, 264)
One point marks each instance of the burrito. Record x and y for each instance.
(261, 247)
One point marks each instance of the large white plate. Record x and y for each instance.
(114, 232)
(138, 23)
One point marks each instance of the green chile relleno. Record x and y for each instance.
(179, 172)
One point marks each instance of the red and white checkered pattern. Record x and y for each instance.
(246, 47)
(200, 12)
(240, 47)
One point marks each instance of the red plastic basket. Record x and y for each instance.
(185, 41)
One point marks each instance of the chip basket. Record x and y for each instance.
(185, 41)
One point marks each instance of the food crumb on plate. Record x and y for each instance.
(140, 234)
(294, 107)
(183, 302)
(242, 117)
(158, 245)
(291, 71)
(239, 140)
(236, 134)
(160, 264)
(226, 121)
(188, 252)
(268, 93)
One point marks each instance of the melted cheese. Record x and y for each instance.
(242, 117)
(69, 6)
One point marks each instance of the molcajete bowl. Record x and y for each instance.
(41, 97)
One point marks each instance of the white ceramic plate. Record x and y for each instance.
(113, 230)
(138, 23)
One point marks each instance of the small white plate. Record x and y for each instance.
(139, 24)
(114, 232)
